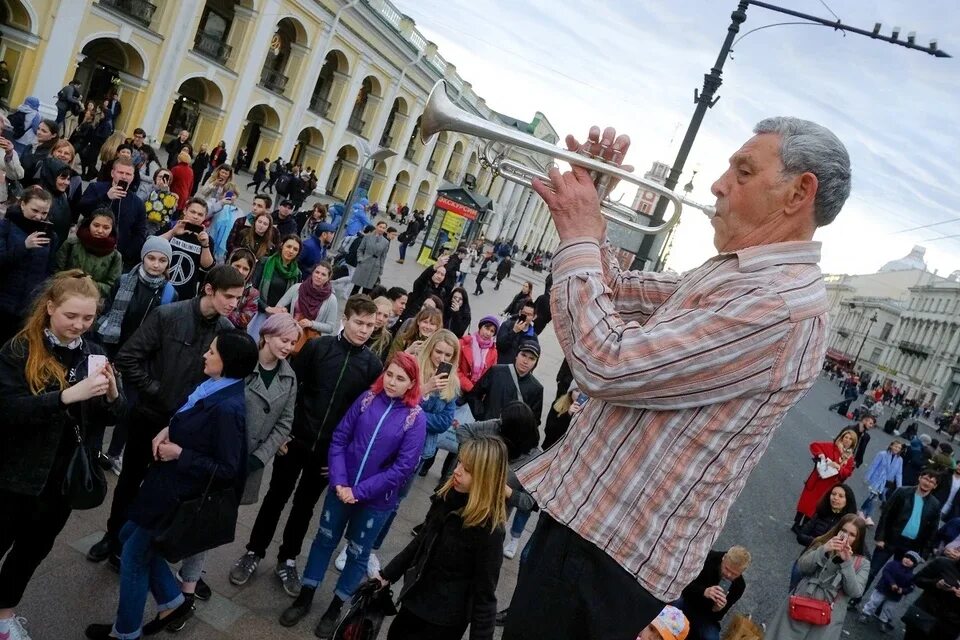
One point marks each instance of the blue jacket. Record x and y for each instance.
(213, 434)
(220, 230)
(313, 252)
(885, 467)
(129, 213)
(358, 220)
(376, 448)
(439, 414)
(22, 270)
(894, 573)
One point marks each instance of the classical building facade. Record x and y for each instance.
(324, 83)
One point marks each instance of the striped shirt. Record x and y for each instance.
(688, 377)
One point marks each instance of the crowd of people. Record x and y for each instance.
(217, 342)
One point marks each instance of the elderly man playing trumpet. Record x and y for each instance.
(688, 377)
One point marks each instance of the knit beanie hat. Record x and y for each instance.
(158, 244)
(913, 555)
(489, 320)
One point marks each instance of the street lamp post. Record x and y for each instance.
(380, 154)
(866, 333)
(712, 81)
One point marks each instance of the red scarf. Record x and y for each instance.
(99, 247)
(310, 298)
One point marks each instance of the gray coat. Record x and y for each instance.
(824, 580)
(371, 255)
(269, 419)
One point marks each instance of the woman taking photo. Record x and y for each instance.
(271, 395)
(26, 257)
(451, 569)
(833, 570)
(456, 312)
(243, 261)
(273, 277)
(834, 463)
(49, 399)
(260, 238)
(374, 452)
(313, 304)
(411, 338)
(94, 251)
(206, 443)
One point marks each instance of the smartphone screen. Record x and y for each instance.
(523, 317)
(229, 194)
(195, 228)
(123, 184)
(444, 368)
(582, 398)
(95, 363)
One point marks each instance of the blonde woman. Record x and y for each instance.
(381, 338)
(108, 152)
(461, 539)
(439, 389)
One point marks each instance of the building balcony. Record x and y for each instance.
(319, 105)
(386, 141)
(410, 153)
(450, 176)
(140, 11)
(212, 47)
(273, 81)
(356, 124)
(914, 349)
(432, 166)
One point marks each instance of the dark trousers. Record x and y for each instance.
(310, 467)
(409, 626)
(480, 277)
(571, 589)
(137, 456)
(31, 525)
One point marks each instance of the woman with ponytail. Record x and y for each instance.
(49, 399)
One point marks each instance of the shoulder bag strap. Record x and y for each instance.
(516, 381)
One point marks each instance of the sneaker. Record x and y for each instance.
(103, 461)
(289, 578)
(373, 565)
(175, 621)
(244, 568)
(116, 465)
(869, 521)
(341, 560)
(13, 629)
(510, 548)
(501, 617)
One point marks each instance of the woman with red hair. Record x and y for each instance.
(374, 452)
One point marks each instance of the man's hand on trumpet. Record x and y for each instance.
(572, 196)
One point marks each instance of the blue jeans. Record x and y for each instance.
(867, 506)
(403, 250)
(519, 523)
(362, 524)
(142, 569)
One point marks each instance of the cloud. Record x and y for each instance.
(636, 64)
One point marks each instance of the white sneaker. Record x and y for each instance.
(116, 464)
(510, 548)
(12, 629)
(341, 560)
(373, 565)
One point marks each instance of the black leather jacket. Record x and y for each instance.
(896, 512)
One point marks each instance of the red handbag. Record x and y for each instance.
(810, 610)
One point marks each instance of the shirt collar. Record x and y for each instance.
(763, 256)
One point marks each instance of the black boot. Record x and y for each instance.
(102, 550)
(301, 606)
(328, 623)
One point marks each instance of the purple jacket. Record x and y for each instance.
(375, 449)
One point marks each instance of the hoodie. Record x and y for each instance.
(60, 214)
(30, 107)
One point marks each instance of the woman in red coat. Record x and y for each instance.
(838, 459)
(182, 181)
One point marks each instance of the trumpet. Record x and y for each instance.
(441, 114)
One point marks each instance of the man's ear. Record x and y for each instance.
(801, 194)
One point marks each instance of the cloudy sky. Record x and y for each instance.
(634, 64)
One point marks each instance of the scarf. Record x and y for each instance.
(99, 247)
(111, 321)
(480, 347)
(206, 389)
(310, 298)
(289, 272)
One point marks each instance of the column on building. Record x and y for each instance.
(527, 217)
(343, 103)
(396, 163)
(501, 201)
(53, 71)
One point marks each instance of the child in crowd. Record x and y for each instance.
(94, 251)
(670, 624)
(896, 581)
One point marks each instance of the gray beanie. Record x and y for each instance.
(158, 244)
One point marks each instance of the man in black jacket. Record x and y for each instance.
(867, 422)
(706, 600)
(905, 525)
(332, 372)
(409, 235)
(284, 220)
(514, 331)
(506, 383)
(163, 360)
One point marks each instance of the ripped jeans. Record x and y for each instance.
(362, 525)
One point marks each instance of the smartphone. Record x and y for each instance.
(123, 184)
(195, 228)
(95, 363)
(229, 194)
(582, 398)
(444, 369)
(523, 317)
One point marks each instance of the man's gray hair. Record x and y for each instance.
(809, 147)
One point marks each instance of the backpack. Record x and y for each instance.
(18, 123)
(274, 167)
(283, 184)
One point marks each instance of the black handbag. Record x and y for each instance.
(200, 524)
(916, 618)
(84, 485)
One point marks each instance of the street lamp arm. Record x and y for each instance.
(803, 23)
